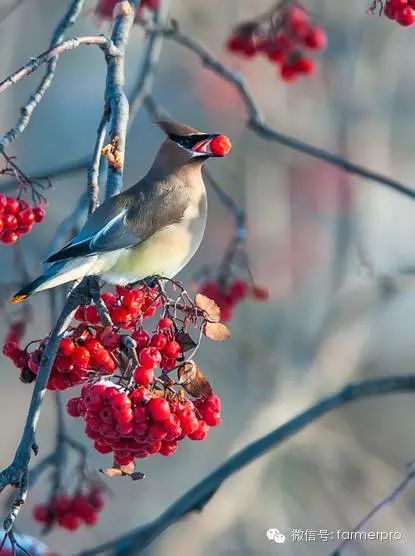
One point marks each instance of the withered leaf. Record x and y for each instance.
(123, 471)
(208, 306)
(193, 380)
(186, 342)
(216, 331)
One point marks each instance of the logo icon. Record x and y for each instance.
(276, 536)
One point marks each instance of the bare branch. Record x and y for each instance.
(54, 53)
(389, 499)
(28, 109)
(255, 120)
(93, 172)
(135, 541)
(115, 97)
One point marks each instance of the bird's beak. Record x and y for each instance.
(213, 145)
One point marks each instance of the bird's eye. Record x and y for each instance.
(187, 141)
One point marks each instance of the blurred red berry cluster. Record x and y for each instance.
(105, 8)
(401, 11)
(136, 422)
(17, 218)
(70, 512)
(229, 293)
(287, 38)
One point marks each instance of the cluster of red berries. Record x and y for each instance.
(17, 218)
(78, 355)
(401, 11)
(229, 294)
(70, 512)
(137, 422)
(285, 41)
(105, 8)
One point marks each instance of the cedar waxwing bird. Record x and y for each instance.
(153, 228)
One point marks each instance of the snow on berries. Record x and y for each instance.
(401, 11)
(287, 37)
(17, 218)
(71, 512)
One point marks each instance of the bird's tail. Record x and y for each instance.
(55, 275)
(30, 289)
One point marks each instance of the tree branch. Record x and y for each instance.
(115, 97)
(54, 53)
(255, 120)
(389, 499)
(28, 109)
(135, 541)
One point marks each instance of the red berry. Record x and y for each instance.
(168, 447)
(9, 237)
(158, 341)
(69, 521)
(102, 446)
(26, 217)
(304, 65)
(165, 323)
(316, 38)
(142, 338)
(201, 432)
(120, 316)
(397, 4)
(159, 409)
(39, 214)
(72, 407)
(143, 375)
(172, 349)
(10, 221)
(42, 514)
(80, 356)
(12, 205)
(149, 357)
(67, 346)
(405, 16)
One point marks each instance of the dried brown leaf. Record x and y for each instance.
(193, 380)
(208, 306)
(216, 331)
(123, 471)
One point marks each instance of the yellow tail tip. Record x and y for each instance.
(18, 298)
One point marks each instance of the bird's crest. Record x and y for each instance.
(170, 127)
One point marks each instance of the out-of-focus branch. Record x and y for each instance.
(15, 5)
(27, 110)
(54, 53)
(135, 541)
(389, 499)
(144, 84)
(255, 120)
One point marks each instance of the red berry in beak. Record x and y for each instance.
(220, 145)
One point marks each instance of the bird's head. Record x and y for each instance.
(186, 145)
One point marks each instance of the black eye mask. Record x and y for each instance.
(188, 141)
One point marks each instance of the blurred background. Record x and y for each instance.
(332, 249)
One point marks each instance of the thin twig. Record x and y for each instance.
(389, 499)
(93, 172)
(135, 541)
(27, 110)
(54, 53)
